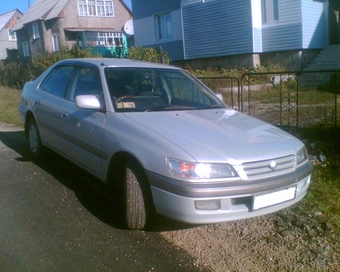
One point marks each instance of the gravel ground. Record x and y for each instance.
(284, 241)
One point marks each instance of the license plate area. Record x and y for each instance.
(270, 199)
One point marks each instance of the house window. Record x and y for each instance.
(276, 10)
(82, 7)
(55, 43)
(270, 11)
(12, 35)
(101, 8)
(25, 49)
(105, 8)
(163, 26)
(35, 29)
(101, 39)
(110, 39)
(91, 8)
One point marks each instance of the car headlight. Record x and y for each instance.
(185, 169)
(301, 156)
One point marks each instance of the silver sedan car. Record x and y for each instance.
(162, 141)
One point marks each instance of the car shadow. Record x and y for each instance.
(91, 192)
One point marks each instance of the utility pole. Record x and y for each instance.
(29, 4)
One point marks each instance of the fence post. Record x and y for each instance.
(22, 74)
(337, 91)
(10, 77)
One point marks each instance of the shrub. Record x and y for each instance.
(148, 54)
(45, 60)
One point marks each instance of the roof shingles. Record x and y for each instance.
(4, 18)
(42, 10)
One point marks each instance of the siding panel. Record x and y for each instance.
(313, 24)
(144, 31)
(286, 33)
(282, 37)
(143, 9)
(217, 28)
(145, 35)
(257, 40)
(173, 48)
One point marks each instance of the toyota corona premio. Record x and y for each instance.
(161, 141)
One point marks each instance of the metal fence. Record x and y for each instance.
(229, 87)
(16, 77)
(287, 99)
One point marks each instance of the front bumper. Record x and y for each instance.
(176, 199)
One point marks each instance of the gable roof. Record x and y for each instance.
(46, 10)
(42, 10)
(4, 18)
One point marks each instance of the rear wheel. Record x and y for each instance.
(34, 140)
(135, 196)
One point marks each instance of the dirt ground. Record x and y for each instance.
(284, 241)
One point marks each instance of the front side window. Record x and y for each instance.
(86, 82)
(57, 80)
(100, 8)
(145, 90)
(12, 35)
(35, 29)
(25, 49)
(163, 26)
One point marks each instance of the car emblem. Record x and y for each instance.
(273, 165)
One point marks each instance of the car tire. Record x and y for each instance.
(134, 197)
(35, 145)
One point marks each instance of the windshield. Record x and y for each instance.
(137, 89)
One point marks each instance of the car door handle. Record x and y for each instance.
(64, 115)
(37, 101)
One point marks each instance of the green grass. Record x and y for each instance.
(9, 102)
(324, 192)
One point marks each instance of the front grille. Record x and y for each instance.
(268, 168)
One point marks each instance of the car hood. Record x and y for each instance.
(219, 135)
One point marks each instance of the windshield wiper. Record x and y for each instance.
(215, 106)
(172, 108)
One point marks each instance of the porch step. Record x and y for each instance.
(327, 59)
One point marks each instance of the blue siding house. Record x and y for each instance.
(199, 29)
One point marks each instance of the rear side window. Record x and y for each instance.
(57, 80)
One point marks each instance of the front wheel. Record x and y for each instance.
(136, 196)
(34, 140)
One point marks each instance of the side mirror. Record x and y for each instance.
(220, 97)
(88, 102)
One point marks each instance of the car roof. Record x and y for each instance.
(111, 62)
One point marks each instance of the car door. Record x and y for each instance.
(83, 128)
(48, 99)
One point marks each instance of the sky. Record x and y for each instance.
(22, 5)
